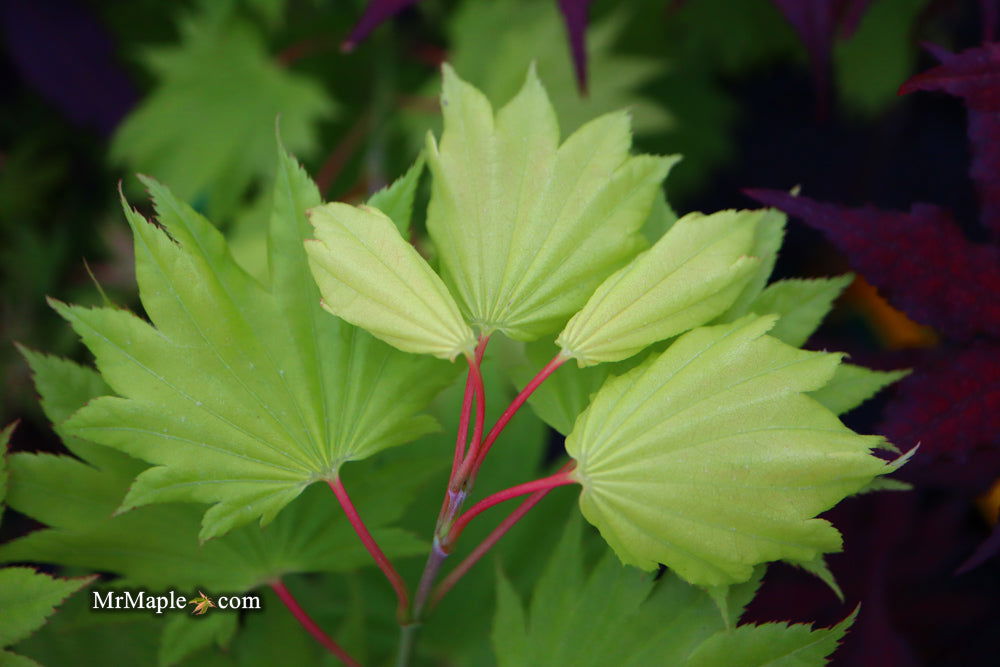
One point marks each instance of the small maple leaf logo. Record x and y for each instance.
(202, 603)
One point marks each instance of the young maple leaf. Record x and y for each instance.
(202, 603)
(923, 263)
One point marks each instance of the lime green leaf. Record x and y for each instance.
(642, 621)
(852, 385)
(206, 127)
(690, 276)
(185, 634)
(661, 218)
(372, 277)
(396, 200)
(710, 459)
(800, 304)
(242, 394)
(27, 598)
(64, 387)
(771, 645)
(767, 243)
(525, 228)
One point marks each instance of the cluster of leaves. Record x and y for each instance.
(217, 73)
(242, 393)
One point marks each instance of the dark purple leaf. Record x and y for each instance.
(575, 17)
(990, 9)
(974, 75)
(919, 260)
(817, 23)
(376, 13)
(951, 406)
(63, 52)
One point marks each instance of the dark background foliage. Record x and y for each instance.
(763, 95)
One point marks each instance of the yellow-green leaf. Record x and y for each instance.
(373, 278)
(692, 274)
(527, 228)
(710, 458)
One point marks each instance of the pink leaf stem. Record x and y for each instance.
(544, 484)
(402, 596)
(472, 463)
(462, 568)
(310, 625)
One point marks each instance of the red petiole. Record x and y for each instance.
(475, 458)
(300, 614)
(449, 581)
(544, 484)
(402, 595)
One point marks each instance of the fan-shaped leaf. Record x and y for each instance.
(241, 394)
(526, 228)
(710, 459)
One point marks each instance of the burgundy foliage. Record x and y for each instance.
(903, 550)
(974, 75)
(818, 23)
(951, 407)
(919, 260)
(923, 263)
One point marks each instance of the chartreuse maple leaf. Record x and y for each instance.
(710, 459)
(692, 274)
(27, 597)
(241, 394)
(527, 228)
(406, 306)
(203, 128)
(642, 621)
(157, 546)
